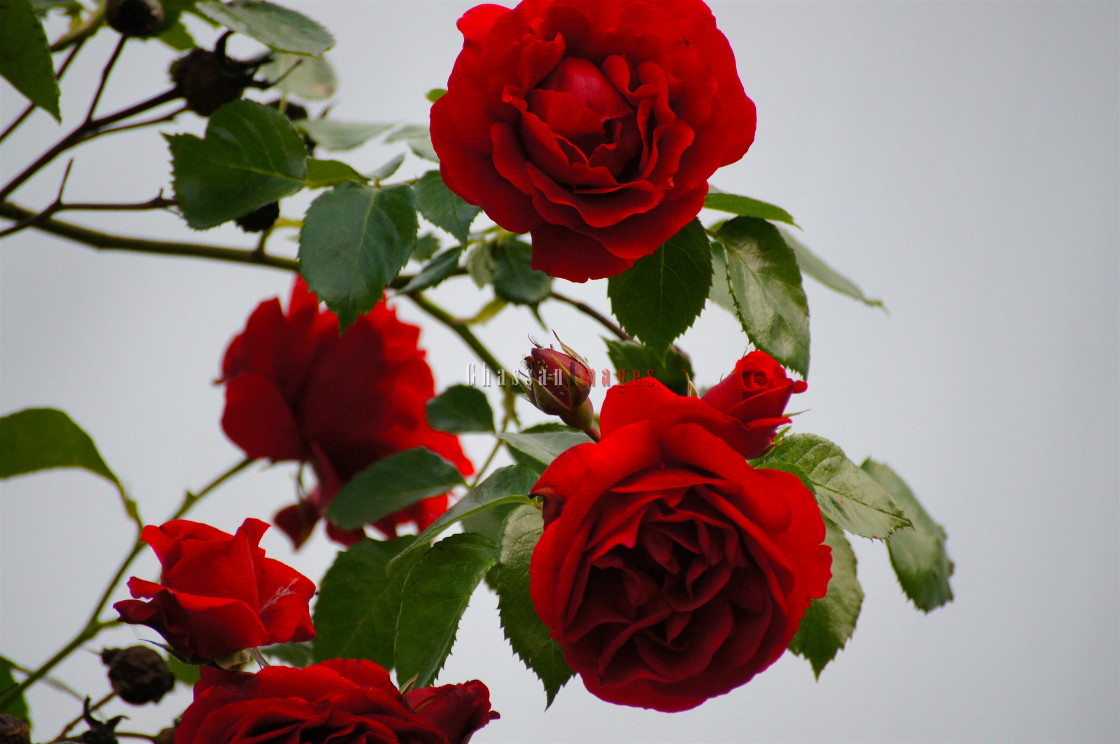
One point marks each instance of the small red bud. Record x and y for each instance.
(559, 383)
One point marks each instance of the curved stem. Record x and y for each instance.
(459, 328)
(107, 241)
(591, 312)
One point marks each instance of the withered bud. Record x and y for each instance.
(14, 730)
(135, 17)
(259, 219)
(209, 79)
(138, 674)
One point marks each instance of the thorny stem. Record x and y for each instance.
(105, 77)
(158, 202)
(93, 625)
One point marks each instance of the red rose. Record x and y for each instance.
(456, 710)
(594, 125)
(218, 593)
(671, 571)
(756, 394)
(336, 700)
(296, 390)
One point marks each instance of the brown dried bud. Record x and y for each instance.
(259, 219)
(135, 17)
(138, 674)
(209, 79)
(14, 730)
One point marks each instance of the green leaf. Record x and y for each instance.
(435, 94)
(387, 169)
(359, 602)
(42, 438)
(812, 265)
(293, 654)
(672, 368)
(355, 239)
(918, 555)
(439, 268)
(309, 78)
(506, 486)
(340, 135)
(427, 246)
(252, 155)
(746, 207)
(176, 36)
(461, 409)
(433, 600)
(528, 636)
(660, 296)
(324, 173)
(831, 620)
(765, 284)
(392, 484)
(16, 705)
(444, 208)
(25, 56)
(847, 495)
(418, 140)
(183, 672)
(515, 279)
(272, 25)
(546, 446)
(481, 264)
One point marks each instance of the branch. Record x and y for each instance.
(107, 241)
(591, 312)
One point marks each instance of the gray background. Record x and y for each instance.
(958, 160)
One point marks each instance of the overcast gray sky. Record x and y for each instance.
(958, 160)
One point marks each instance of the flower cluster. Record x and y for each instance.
(670, 570)
(219, 595)
(298, 390)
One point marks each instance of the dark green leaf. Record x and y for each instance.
(746, 207)
(661, 295)
(830, 621)
(252, 155)
(293, 654)
(461, 409)
(360, 601)
(309, 78)
(528, 636)
(765, 283)
(812, 265)
(340, 135)
(177, 37)
(444, 208)
(918, 555)
(392, 484)
(440, 268)
(515, 279)
(481, 264)
(721, 290)
(847, 495)
(432, 602)
(672, 368)
(25, 57)
(278, 28)
(324, 173)
(504, 487)
(355, 239)
(16, 705)
(41, 438)
(544, 447)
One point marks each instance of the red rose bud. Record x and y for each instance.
(756, 394)
(559, 385)
(218, 593)
(456, 710)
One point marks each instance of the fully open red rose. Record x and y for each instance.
(218, 594)
(296, 390)
(671, 571)
(756, 394)
(592, 124)
(334, 701)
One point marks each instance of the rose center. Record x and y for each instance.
(579, 104)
